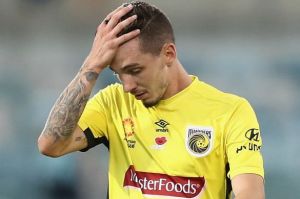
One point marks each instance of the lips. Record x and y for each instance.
(139, 96)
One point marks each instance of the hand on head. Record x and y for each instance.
(107, 41)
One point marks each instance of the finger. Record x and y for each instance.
(107, 18)
(126, 37)
(115, 18)
(116, 10)
(113, 12)
(123, 25)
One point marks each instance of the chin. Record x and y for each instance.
(148, 104)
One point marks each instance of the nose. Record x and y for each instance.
(129, 83)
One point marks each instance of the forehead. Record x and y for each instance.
(127, 53)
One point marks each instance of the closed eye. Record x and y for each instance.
(134, 71)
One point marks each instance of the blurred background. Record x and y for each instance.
(247, 47)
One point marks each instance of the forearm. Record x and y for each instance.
(248, 186)
(250, 196)
(66, 111)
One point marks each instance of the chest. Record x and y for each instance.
(177, 140)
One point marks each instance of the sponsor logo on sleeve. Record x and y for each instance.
(199, 140)
(252, 134)
(253, 137)
(162, 185)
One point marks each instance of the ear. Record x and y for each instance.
(169, 53)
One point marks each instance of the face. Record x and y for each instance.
(142, 74)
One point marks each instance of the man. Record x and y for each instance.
(169, 134)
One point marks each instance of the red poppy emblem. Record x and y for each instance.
(160, 140)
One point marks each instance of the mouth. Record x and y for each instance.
(140, 96)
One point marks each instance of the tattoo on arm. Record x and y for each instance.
(69, 106)
(91, 76)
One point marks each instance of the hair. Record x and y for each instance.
(155, 27)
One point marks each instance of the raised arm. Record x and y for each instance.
(61, 134)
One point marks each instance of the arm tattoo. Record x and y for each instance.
(91, 76)
(68, 108)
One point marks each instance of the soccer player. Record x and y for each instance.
(169, 134)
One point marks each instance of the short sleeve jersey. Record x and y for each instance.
(187, 146)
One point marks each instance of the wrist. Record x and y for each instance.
(90, 65)
(89, 72)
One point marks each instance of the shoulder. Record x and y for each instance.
(113, 93)
(218, 103)
(110, 90)
(214, 96)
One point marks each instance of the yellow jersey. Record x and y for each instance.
(187, 146)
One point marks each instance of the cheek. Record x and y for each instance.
(154, 78)
(148, 79)
(159, 83)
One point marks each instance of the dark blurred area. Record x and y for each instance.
(249, 47)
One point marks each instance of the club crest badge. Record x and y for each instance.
(199, 140)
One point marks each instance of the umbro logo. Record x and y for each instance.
(163, 126)
(162, 123)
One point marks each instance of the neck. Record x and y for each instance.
(179, 79)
